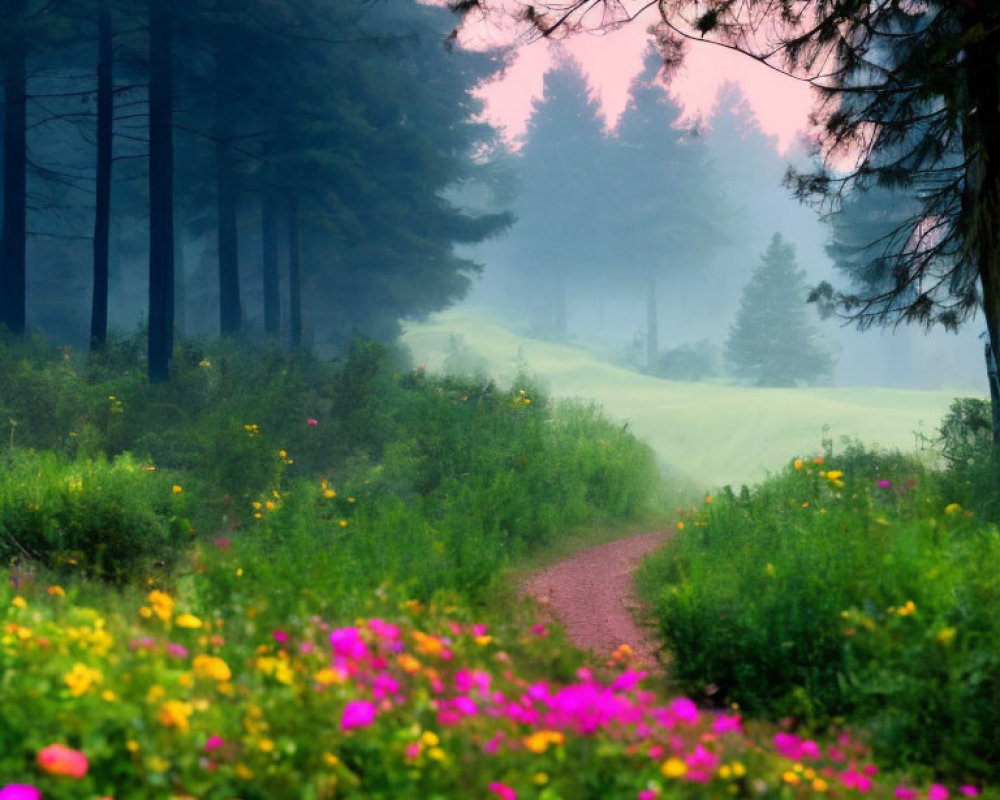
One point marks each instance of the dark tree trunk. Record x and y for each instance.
(102, 202)
(981, 131)
(269, 238)
(15, 160)
(652, 326)
(161, 194)
(294, 277)
(230, 310)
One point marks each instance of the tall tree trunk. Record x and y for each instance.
(230, 310)
(102, 202)
(981, 132)
(269, 238)
(652, 327)
(15, 160)
(161, 194)
(294, 277)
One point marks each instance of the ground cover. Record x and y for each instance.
(320, 605)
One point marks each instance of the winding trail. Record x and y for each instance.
(591, 594)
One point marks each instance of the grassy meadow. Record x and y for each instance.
(711, 434)
(282, 577)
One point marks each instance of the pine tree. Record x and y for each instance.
(772, 343)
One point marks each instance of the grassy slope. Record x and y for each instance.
(711, 433)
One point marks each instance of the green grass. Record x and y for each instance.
(709, 433)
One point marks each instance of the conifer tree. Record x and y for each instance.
(772, 343)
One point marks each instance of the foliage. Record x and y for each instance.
(90, 516)
(156, 697)
(771, 342)
(971, 472)
(873, 597)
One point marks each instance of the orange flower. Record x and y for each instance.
(59, 760)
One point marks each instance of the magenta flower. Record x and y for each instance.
(648, 794)
(56, 759)
(502, 790)
(383, 630)
(213, 743)
(727, 723)
(684, 710)
(222, 543)
(280, 637)
(177, 650)
(969, 791)
(312, 423)
(882, 483)
(347, 642)
(357, 714)
(19, 791)
(937, 792)
(902, 793)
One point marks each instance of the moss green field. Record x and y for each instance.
(710, 433)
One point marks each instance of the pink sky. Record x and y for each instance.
(612, 60)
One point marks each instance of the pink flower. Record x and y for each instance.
(648, 794)
(383, 630)
(347, 642)
(19, 791)
(357, 714)
(969, 791)
(540, 630)
(937, 792)
(213, 743)
(222, 543)
(883, 483)
(59, 760)
(902, 793)
(502, 790)
(280, 637)
(312, 423)
(727, 723)
(683, 710)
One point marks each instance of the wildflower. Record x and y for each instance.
(176, 714)
(952, 508)
(56, 591)
(162, 604)
(357, 714)
(902, 793)
(19, 602)
(19, 791)
(539, 741)
(797, 463)
(204, 363)
(312, 423)
(680, 525)
(968, 791)
(80, 678)
(251, 430)
(188, 621)
(213, 743)
(945, 636)
(502, 790)
(327, 676)
(673, 768)
(59, 760)
(937, 792)
(882, 483)
(176, 489)
(206, 666)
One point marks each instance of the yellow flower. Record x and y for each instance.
(790, 777)
(330, 759)
(187, 621)
(769, 569)
(176, 714)
(243, 772)
(206, 666)
(834, 475)
(674, 768)
(328, 676)
(540, 779)
(80, 678)
(266, 745)
(342, 523)
(945, 636)
(162, 604)
(19, 602)
(329, 494)
(797, 463)
(56, 591)
(270, 505)
(204, 363)
(408, 663)
(436, 754)
(820, 785)
(482, 641)
(952, 508)
(430, 739)
(176, 489)
(738, 769)
(108, 696)
(539, 741)
(708, 499)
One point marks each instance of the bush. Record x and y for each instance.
(843, 587)
(89, 516)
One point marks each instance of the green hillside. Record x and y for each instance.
(709, 432)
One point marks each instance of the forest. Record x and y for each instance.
(307, 367)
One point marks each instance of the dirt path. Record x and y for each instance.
(591, 594)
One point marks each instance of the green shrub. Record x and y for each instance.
(844, 588)
(89, 516)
